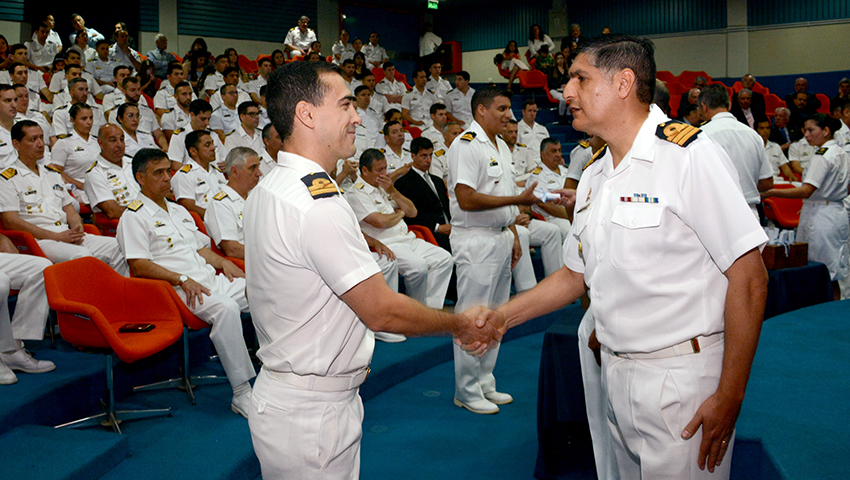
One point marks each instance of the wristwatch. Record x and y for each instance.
(183, 279)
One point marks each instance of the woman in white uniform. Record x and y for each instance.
(823, 220)
(75, 152)
(134, 139)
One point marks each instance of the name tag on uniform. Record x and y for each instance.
(639, 198)
(79, 149)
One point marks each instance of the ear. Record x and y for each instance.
(305, 114)
(625, 81)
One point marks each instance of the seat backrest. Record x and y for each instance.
(378, 72)
(772, 102)
(415, 132)
(759, 88)
(824, 103)
(666, 76)
(424, 233)
(199, 222)
(688, 76)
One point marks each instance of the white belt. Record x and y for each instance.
(819, 202)
(480, 229)
(694, 345)
(319, 383)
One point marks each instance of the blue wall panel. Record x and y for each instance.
(647, 17)
(12, 10)
(490, 27)
(265, 20)
(149, 15)
(398, 33)
(761, 13)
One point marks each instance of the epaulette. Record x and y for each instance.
(63, 106)
(215, 167)
(64, 135)
(293, 28)
(168, 110)
(320, 185)
(468, 136)
(358, 185)
(450, 91)
(432, 91)
(599, 154)
(405, 150)
(135, 205)
(177, 131)
(52, 168)
(584, 143)
(703, 122)
(94, 164)
(521, 145)
(676, 132)
(9, 173)
(229, 134)
(107, 112)
(220, 195)
(440, 152)
(382, 150)
(186, 168)
(537, 170)
(821, 151)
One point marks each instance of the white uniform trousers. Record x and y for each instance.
(22, 273)
(426, 268)
(563, 225)
(103, 248)
(545, 235)
(389, 269)
(304, 434)
(483, 261)
(649, 404)
(221, 310)
(596, 404)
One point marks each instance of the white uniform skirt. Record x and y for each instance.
(827, 231)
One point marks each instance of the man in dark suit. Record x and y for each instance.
(757, 102)
(744, 110)
(427, 192)
(782, 133)
(812, 104)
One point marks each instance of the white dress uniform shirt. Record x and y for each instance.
(419, 104)
(214, 81)
(52, 37)
(255, 85)
(147, 118)
(223, 118)
(174, 119)
(341, 50)
(63, 125)
(631, 228)
(436, 137)
(177, 146)
(35, 83)
(532, 136)
(428, 43)
(301, 41)
(8, 154)
(224, 217)
(240, 138)
(460, 105)
(534, 45)
(164, 97)
(521, 162)
(39, 118)
(374, 53)
(241, 96)
(118, 55)
(547, 181)
(774, 155)
(106, 181)
(395, 161)
(195, 183)
(379, 106)
(94, 37)
(267, 163)
(746, 149)
(41, 55)
(391, 87)
(365, 200)
(366, 134)
(440, 87)
(75, 154)
(801, 151)
(579, 157)
(440, 164)
(112, 100)
(142, 140)
(103, 71)
(264, 119)
(59, 87)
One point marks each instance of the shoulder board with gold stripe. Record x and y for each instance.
(64, 135)
(440, 152)
(220, 195)
(186, 168)
(537, 170)
(584, 143)
(599, 154)
(358, 186)
(468, 136)
(9, 173)
(382, 150)
(178, 131)
(229, 134)
(91, 167)
(215, 167)
(679, 133)
(52, 168)
(135, 205)
(821, 151)
(521, 145)
(320, 185)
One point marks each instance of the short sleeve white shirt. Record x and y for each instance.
(38, 198)
(531, 137)
(76, 155)
(547, 181)
(107, 181)
(194, 183)
(579, 157)
(224, 216)
(460, 105)
(366, 200)
(240, 138)
(829, 173)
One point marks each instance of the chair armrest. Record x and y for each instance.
(25, 242)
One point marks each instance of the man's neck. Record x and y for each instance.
(204, 165)
(103, 59)
(510, 146)
(624, 131)
(709, 114)
(421, 89)
(396, 149)
(184, 109)
(31, 163)
(230, 107)
(555, 169)
(7, 123)
(235, 188)
(159, 200)
(114, 162)
(272, 154)
(464, 89)
(248, 129)
(173, 84)
(530, 124)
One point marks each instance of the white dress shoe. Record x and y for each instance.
(499, 398)
(484, 407)
(241, 403)
(389, 337)
(7, 376)
(22, 361)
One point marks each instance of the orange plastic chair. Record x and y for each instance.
(759, 88)
(108, 226)
(677, 89)
(203, 229)
(529, 79)
(424, 233)
(666, 77)
(771, 103)
(415, 132)
(403, 79)
(688, 76)
(784, 211)
(378, 72)
(247, 64)
(93, 302)
(824, 103)
(675, 100)
(177, 57)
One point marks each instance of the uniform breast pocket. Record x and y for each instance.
(165, 236)
(494, 170)
(636, 240)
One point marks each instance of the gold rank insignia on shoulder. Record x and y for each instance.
(52, 168)
(468, 136)
(521, 145)
(220, 195)
(177, 131)
(320, 185)
(584, 143)
(821, 151)
(94, 164)
(64, 135)
(359, 186)
(135, 205)
(679, 133)
(382, 150)
(9, 173)
(537, 170)
(186, 168)
(599, 154)
(440, 153)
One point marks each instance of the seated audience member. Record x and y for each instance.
(375, 54)
(434, 132)
(313, 57)
(392, 89)
(224, 215)
(121, 52)
(380, 208)
(39, 51)
(510, 60)
(110, 185)
(342, 48)
(535, 233)
(530, 132)
(551, 175)
(35, 80)
(536, 40)
(348, 75)
(264, 113)
(147, 118)
(102, 68)
(661, 97)
(427, 192)
(774, 154)
(82, 47)
(199, 119)
(557, 79)
(437, 84)
(416, 103)
(367, 132)
(396, 155)
(273, 145)
(59, 85)
(543, 61)
(26, 113)
(811, 103)
(18, 74)
(225, 119)
(781, 132)
(439, 159)
(33, 199)
(360, 66)
(161, 57)
(63, 122)
(699, 83)
(233, 59)
(459, 101)
(800, 153)
(116, 96)
(199, 180)
(231, 77)
(247, 134)
(394, 115)
(744, 110)
(164, 99)
(161, 241)
(215, 79)
(521, 161)
(691, 98)
(757, 100)
(23, 273)
(579, 157)
(299, 38)
(8, 112)
(178, 117)
(843, 92)
(798, 110)
(265, 68)
(74, 153)
(842, 136)
(691, 115)
(79, 24)
(135, 138)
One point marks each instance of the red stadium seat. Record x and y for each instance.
(247, 64)
(784, 211)
(424, 233)
(771, 103)
(666, 77)
(824, 103)
(687, 77)
(529, 79)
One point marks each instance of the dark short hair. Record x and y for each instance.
(689, 108)
(223, 87)
(420, 143)
(293, 83)
(615, 52)
(129, 79)
(389, 114)
(243, 107)
(360, 88)
(174, 66)
(386, 129)
(823, 120)
(267, 131)
(529, 101)
(222, 56)
(118, 69)
(416, 73)
(75, 81)
(123, 109)
(714, 96)
(75, 108)
(72, 66)
(227, 71)
(18, 129)
(182, 84)
(72, 51)
(463, 74)
(546, 142)
(347, 61)
(369, 157)
(485, 96)
(6, 86)
(99, 43)
(145, 156)
(194, 138)
(18, 46)
(387, 65)
(435, 107)
(199, 106)
(263, 60)
(11, 68)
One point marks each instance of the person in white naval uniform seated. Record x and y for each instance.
(366, 134)
(59, 83)
(398, 157)
(375, 54)
(116, 96)
(551, 176)
(161, 241)
(522, 165)
(348, 75)
(231, 77)
(437, 84)
(214, 80)
(299, 38)
(272, 145)
(434, 132)
(121, 52)
(440, 159)
(199, 119)
(248, 134)
(416, 104)
(531, 133)
(225, 119)
(378, 103)
(342, 47)
(35, 81)
(63, 124)
(458, 100)
(33, 199)
(135, 139)
(178, 117)
(103, 68)
(165, 100)
(393, 90)
(148, 122)
(264, 70)
(73, 154)
(26, 113)
(200, 179)
(8, 112)
(18, 74)
(579, 157)
(110, 185)
(224, 215)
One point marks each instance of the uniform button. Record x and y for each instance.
(599, 258)
(595, 295)
(169, 239)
